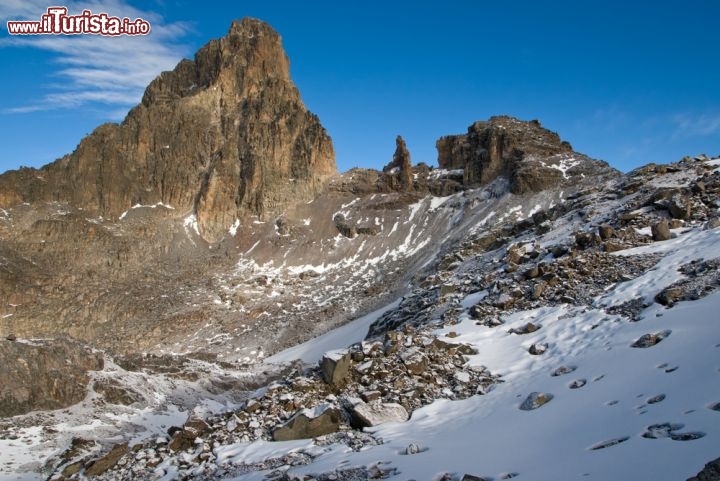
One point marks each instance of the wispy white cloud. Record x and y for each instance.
(92, 68)
(688, 125)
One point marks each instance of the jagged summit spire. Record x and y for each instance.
(220, 136)
(250, 52)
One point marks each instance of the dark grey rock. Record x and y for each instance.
(679, 207)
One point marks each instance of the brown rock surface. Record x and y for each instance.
(335, 367)
(530, 156)
(400, 169)
(222, 136)
(44, 375)
(661, 231)
(108, 461)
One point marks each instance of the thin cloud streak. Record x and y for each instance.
(96, 69)
(700, 125)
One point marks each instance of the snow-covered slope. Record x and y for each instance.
(621, 412)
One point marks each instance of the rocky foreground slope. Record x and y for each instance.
(601, 303)
(522, 310)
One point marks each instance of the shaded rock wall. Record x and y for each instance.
(44, 375)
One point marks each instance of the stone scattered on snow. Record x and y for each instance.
(526, 329)
(562, 370)
(535, 400)
(412, 449)
(649, 340)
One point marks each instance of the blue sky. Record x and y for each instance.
(626, 83)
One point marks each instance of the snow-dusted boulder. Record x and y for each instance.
(535, 400)
(375, 413)
(335, 366)
(309, 423)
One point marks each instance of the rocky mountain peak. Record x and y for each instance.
(531, 157)
(250, 53)
(221, 137)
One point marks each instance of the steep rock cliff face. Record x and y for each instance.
(222, 136)
(531, 157)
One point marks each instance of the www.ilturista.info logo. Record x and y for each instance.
(57, 22)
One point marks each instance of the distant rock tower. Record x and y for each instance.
(401, 165)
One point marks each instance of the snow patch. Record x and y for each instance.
(444, 173)
(436, 202)
(233, 228)
(140, 206)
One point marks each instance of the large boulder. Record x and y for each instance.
(375, 413)
(309, 423)
(661, 231)
(335, 367)
(680, 207)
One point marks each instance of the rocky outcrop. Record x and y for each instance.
(530, 156)
(44, 374)
(222, 136)
(711, 472)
